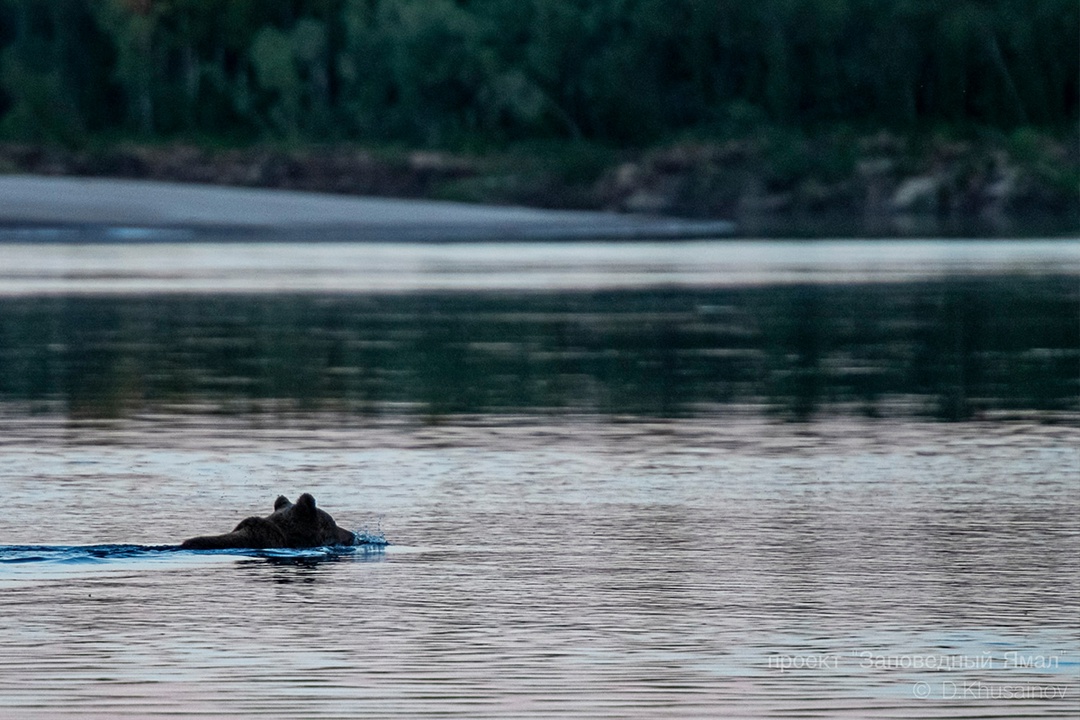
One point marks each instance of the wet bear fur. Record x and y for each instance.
(299, 525)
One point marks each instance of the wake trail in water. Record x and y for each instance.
(366, 543)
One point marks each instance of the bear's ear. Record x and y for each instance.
(306, 503)
(281, 502)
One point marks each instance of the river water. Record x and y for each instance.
(761, 480)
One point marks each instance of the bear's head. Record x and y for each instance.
(305, 525)
(291, 525)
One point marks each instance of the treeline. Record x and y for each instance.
(442, 72)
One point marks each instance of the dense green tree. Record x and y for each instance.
(51, 62)
(442, 71)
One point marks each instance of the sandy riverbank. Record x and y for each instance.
(35, 207)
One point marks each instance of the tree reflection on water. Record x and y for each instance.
(952, 350)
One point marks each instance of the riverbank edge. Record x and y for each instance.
(769, 184)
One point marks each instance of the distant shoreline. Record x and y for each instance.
(744, 188)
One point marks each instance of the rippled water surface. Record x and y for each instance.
(574, 568)
(816, 499)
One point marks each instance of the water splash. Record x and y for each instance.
(376, 537)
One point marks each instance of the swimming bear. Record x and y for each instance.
(299, 525)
